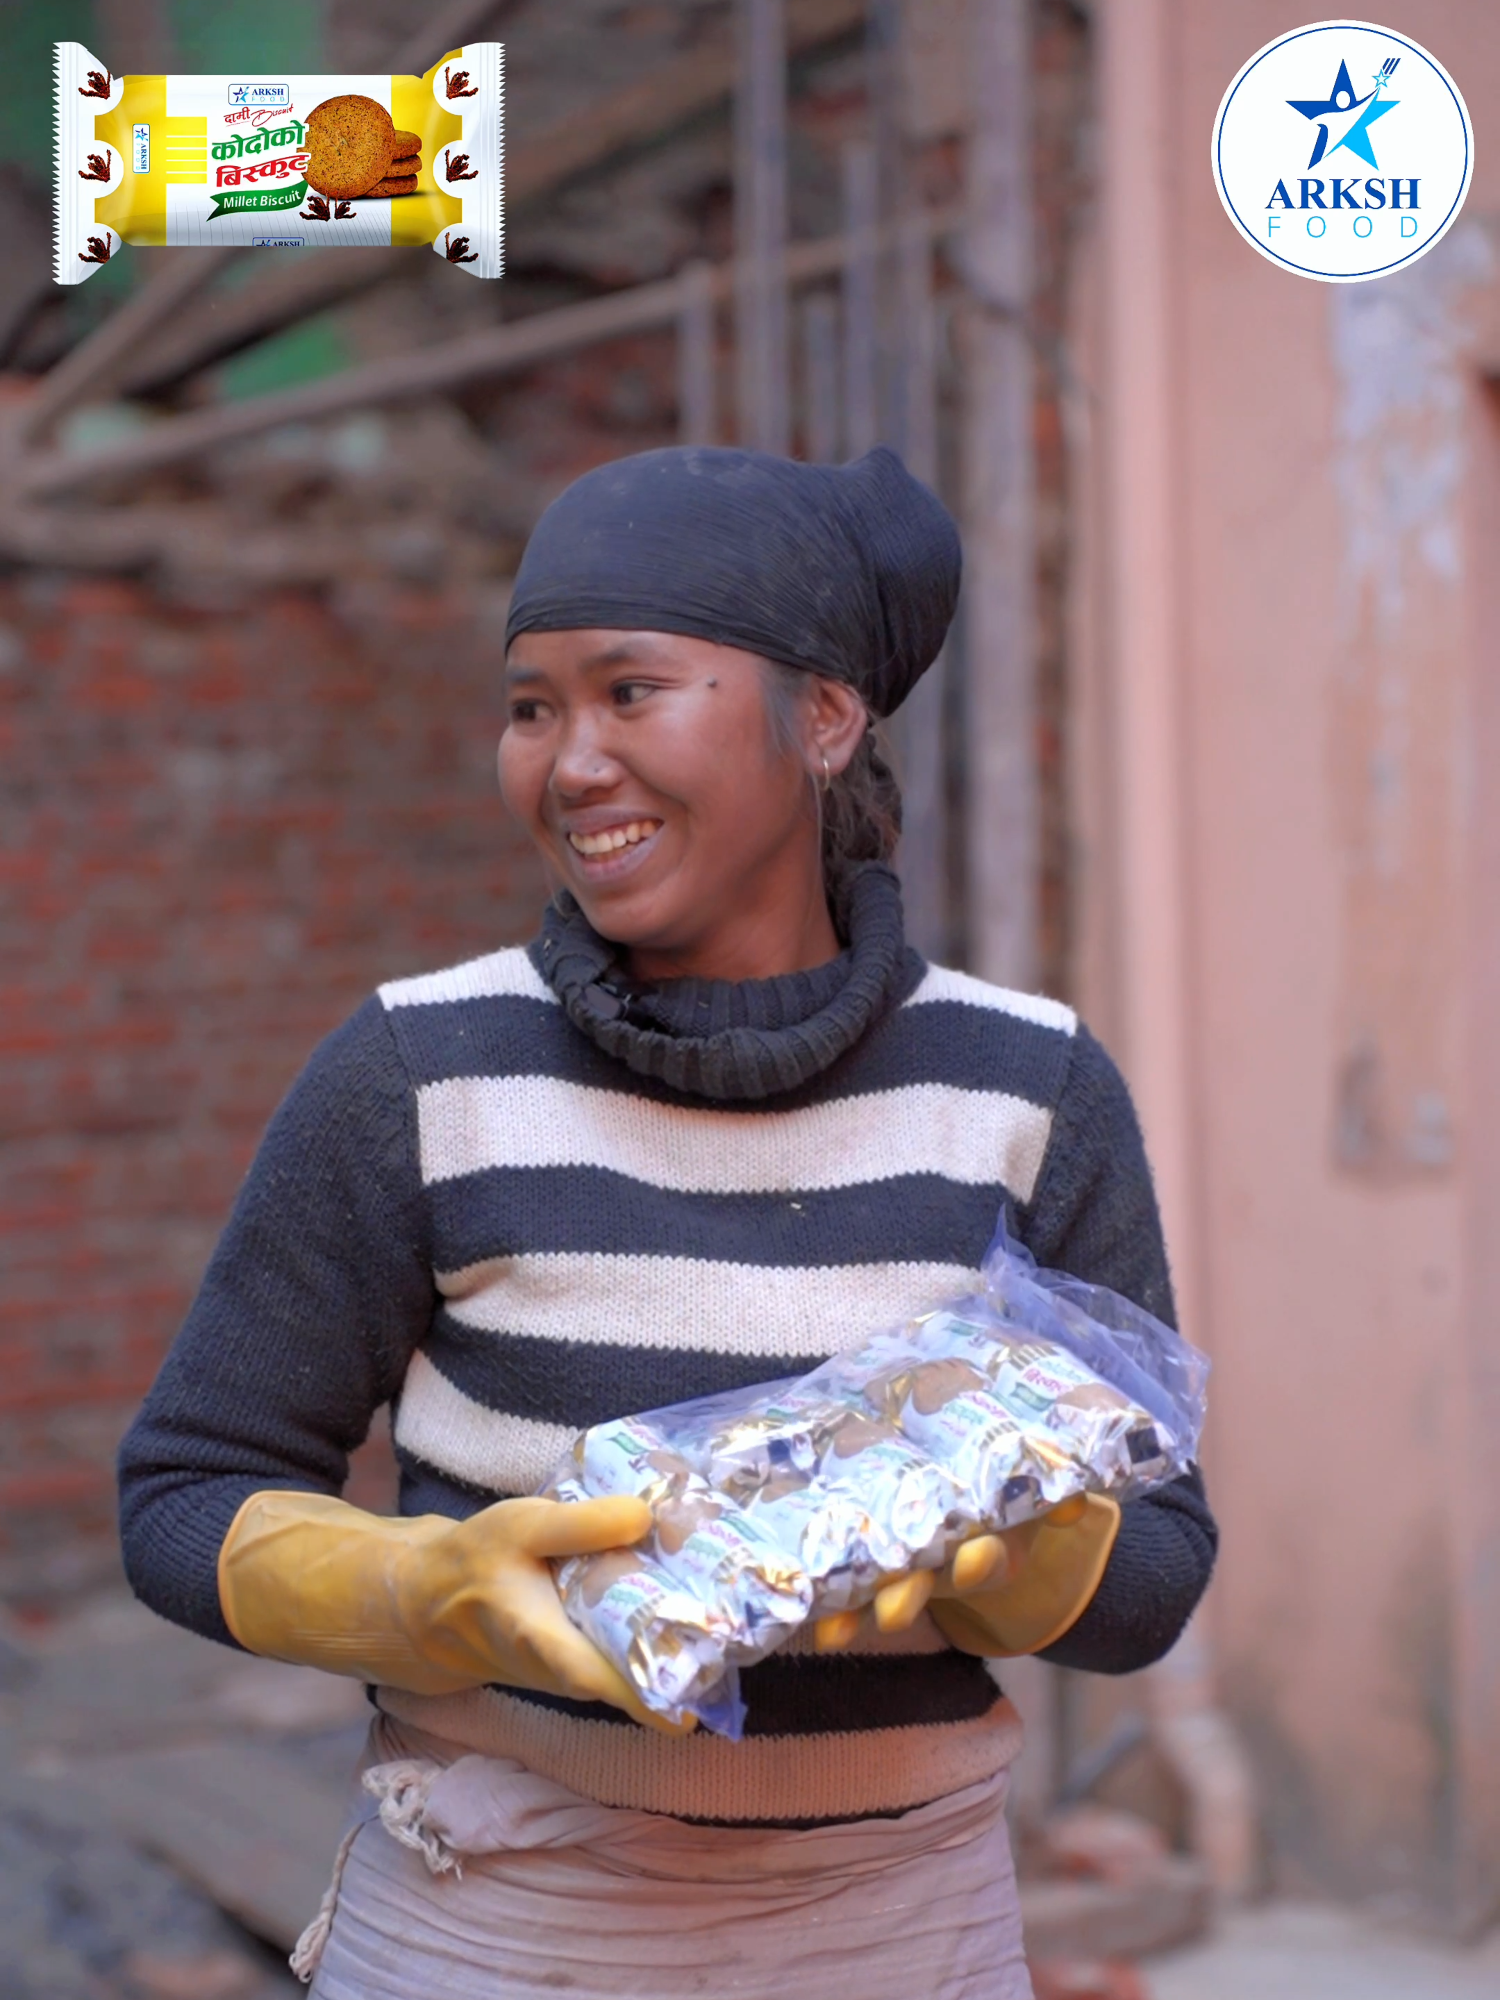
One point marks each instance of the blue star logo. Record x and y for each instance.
(1341, 108)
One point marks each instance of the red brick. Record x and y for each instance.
(101, 598)
(70, 1393)
(112, 693)
(51, 1485)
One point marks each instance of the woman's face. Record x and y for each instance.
(644, 766)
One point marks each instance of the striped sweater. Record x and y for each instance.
(468, 1208)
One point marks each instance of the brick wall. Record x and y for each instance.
(218, 832)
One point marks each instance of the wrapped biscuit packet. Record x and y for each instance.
(663, 1637)
(798, 1498)
(708, 1590)
(699, 1536)
(280, 160)
(1018, 1421)
(839, 1487)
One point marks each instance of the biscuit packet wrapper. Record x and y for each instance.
(838, 1486)
(700, 1537)
(795, 1499)
(671, 1643)
(280, 160)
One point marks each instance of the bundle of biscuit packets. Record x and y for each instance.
(279, 161)
(799, 1498)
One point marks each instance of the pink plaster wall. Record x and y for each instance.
(1328, 670)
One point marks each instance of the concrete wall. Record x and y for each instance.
(1289, 756)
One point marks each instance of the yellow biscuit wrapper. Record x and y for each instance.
(280, 161)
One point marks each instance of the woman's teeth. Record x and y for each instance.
(613, 837)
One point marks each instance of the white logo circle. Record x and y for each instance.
(1343, 150)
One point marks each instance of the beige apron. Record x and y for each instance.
(471, 1878)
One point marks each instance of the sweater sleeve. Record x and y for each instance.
(1094, 1215)
(312, 1303)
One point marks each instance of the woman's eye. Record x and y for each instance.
(524, 711)
(630, 694)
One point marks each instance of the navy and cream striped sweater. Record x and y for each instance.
(470, 1209)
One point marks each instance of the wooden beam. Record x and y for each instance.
(1169, 1906)
(820, 378)
(199, 541)
(883, 45)
(861, 301)
(228, 321)
(760, 226)
(19, 306)
(920, 729)
(697, 388)
(399, 378)
(237, 1818)
(109, 539)
(916, 348)
(94, 362)
(999, 637)
(407, 377)
(691, 83)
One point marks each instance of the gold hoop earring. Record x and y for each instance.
(827, 774)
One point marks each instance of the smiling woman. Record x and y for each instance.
(715, 1122)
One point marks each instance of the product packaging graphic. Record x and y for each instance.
(279, 160)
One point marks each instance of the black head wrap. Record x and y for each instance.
(848, 570)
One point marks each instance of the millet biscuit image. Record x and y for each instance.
(352, 141)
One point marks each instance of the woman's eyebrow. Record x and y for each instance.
(622, 653)
(619, 653)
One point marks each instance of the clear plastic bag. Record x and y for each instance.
(797, 1498)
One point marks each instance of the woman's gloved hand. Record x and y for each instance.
(1000, 1595)
(429, 1604)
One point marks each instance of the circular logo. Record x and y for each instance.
(1342, 151)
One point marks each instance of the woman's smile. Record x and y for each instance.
(603, 854)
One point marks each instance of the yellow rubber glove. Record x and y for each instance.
(1001, 1595)
(428, 1604)
(1054, 1566)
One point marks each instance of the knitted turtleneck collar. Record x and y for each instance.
(722, 1038)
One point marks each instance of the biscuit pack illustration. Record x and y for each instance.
(280, 161)
(795, 1499)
